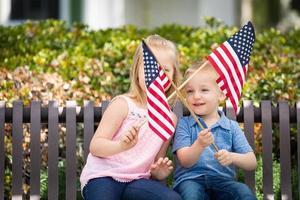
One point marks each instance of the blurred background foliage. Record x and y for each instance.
(49, 60)
(79, 63)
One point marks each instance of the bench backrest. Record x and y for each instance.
(36, 115)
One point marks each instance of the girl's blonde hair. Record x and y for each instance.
(153, 41)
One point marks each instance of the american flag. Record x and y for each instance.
(159, 112)
(230, 60)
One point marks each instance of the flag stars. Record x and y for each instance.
(150, 67)
(242, 43)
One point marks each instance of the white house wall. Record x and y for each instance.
(142, 13)
(226, 10)
(5, 8)
(156, 13)
(103, 13)
(151, 13)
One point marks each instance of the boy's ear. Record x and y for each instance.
(222, 97)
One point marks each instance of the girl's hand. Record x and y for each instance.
(130, 138)
(205, 138)
(224, 157)
(161, 169)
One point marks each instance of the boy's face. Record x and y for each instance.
(203, 93)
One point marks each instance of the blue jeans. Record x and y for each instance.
(107, 188)
(212, 187)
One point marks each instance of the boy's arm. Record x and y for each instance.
(245, 161)
(188, 156)
(242, 154)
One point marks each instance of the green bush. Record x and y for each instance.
(61, 181)
(259, 179)
(276, 179)
(101, 59)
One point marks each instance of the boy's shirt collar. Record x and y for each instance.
(223, 122)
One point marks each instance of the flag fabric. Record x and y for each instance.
(159, 113)
(230, 60)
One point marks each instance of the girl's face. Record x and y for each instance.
(203, 94)
(166, 59)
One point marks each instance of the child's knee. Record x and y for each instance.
(172, 195)
(191, 190)
(244, 192)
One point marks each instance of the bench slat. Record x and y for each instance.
(88, 126)
(285, 151)
(53, 150)
(298, 142)
(229, 111)
(17, 151)
(178, 110)
(104, 105)
(266, 114)
(71, 150)
(249, 133)
(266, 118)
(2, 164)
(35, 153)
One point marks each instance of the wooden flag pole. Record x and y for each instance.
(187, 80)
(142, 123)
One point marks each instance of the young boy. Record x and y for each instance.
(202, 173)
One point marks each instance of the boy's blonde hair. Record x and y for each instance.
(192, 68)
(153, 41)
(208, 69)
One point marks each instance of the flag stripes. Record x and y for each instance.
(230, 60)
(159, 113)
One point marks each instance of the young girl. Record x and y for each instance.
(127, 161)
(202, 173)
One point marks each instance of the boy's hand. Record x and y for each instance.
(205, 138)
(161, 169)
(224, 157)
(130, 138)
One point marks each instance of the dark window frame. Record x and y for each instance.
(34, 9)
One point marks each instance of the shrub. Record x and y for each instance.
(96, 63)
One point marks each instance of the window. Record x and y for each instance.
(34, 9)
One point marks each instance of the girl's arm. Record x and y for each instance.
(162, 166)
(102, 144)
